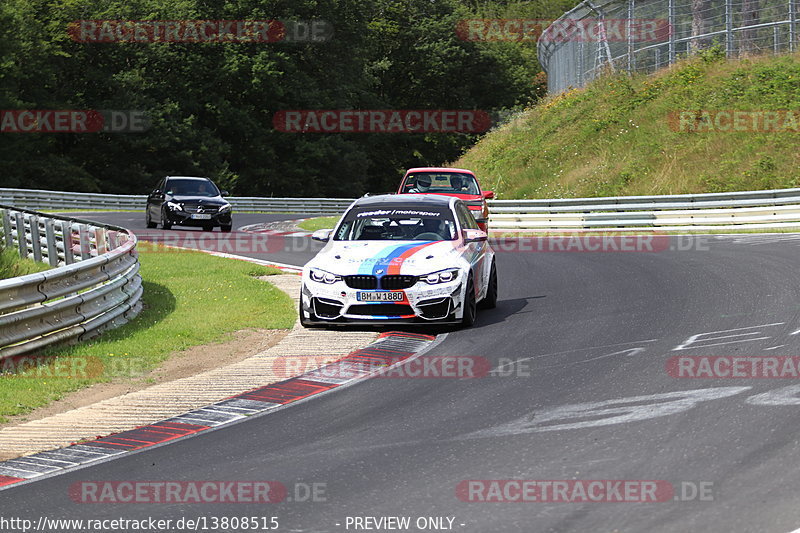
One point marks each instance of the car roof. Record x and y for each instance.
(399, 201)
(439, 169)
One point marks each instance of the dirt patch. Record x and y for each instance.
(194, 360)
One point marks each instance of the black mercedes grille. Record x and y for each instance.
(392, 282)
(361, 282)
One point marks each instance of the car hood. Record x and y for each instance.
(391, 257)
(205, 200)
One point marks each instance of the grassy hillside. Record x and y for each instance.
(613, 137)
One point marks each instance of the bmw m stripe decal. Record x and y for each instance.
(394, 266)
(391, 258)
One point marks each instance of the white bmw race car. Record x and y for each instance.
(405, 258)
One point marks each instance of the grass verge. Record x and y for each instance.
(12, 265)
(618, 136)
(190, 298)
(313, 224)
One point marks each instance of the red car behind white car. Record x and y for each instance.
(456, 182)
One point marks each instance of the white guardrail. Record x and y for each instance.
(734, 210)
(94, 284)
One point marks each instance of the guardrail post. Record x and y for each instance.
(100, 240)
(22, 244)
(52, 248)
(36, 239)
(85, 243)
(66, 235)
(7, 236)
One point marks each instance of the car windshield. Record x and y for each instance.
(187, 187)
(397, 224)
(441, 182)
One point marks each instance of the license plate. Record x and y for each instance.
(384, 296)
(200, 216)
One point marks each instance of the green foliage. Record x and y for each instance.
(617, 136)
(211, 105)
(11, 265)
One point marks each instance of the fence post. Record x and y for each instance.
(671, 15)
(629, 25)
(728, 28)
(792, 25)
(100, 240)
(86, 245)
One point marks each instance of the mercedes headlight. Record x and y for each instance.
(225, 208)
(320, 276)
(175, 206)
(443, 276)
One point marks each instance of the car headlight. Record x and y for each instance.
(320, 276)
(443, 276)
(175, 206)
(225, 208)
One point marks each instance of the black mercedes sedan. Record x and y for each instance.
(188, 201)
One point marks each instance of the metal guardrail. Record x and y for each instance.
(55, 200)
(735, 210)
(600, 35)
(770, 208)
(94, 284)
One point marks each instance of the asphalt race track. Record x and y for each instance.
(580, 342)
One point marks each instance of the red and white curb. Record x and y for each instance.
(390, 350)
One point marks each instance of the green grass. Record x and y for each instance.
(190, 299)
(313, 224)
(613, 137)
(12, 265)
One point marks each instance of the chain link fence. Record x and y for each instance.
(645, 35)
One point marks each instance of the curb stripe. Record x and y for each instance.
(391, 348)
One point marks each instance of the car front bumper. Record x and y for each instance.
(421, 304)
(183, 218)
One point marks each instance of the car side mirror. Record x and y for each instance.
(488, 195)
(224, 193)
(322, 235)
(474, 235)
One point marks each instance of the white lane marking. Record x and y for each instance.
(630, 352)
(774, 347)
(617, 411)
(795, 332)
(784, 396)
(695, 339)
(539, 356)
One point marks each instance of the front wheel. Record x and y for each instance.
(470, 306)
(165, 223)
(150, 223)
(490, 301)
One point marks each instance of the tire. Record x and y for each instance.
(303, 320)
(470, 305)
(208, 228)
(226, 229)
(490, 300)
(165, 221)
(150, 223)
